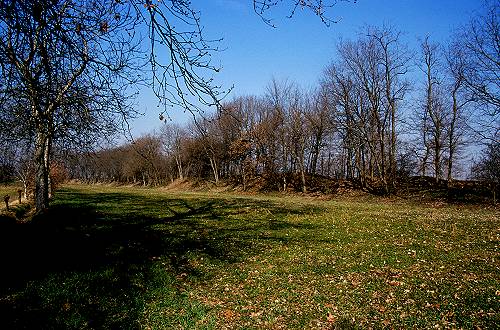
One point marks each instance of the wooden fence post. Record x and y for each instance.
(6, 199)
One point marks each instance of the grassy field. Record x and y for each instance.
(10, 190)
(130, 258)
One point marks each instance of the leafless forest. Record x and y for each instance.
(381, 115)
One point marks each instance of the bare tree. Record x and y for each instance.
(341, 94)
(361, 59)
(432, 122)
(317, 7)
(279, 100)
(238, 120)
(265, 137)
(147, 159)
(441, 123)
(366, 88)
(6, 161)
(394, 59)
(47, 50)
(51, 51)
(171, 136)
(24, 165)
(456, 64)
(320, 127)
(479, 39)
(299, 133)
(208, 135)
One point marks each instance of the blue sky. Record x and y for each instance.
(300, 48)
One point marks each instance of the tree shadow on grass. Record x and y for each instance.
(96, 260)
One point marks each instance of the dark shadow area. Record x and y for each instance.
(91, 258)
(424, 188)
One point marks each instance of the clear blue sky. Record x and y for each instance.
(301, 47)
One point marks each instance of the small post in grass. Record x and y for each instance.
(6, 199)
(19, 194)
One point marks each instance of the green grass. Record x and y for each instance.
(130, 258)
(10, 190)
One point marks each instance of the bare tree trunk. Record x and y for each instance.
(179, 167)
(433, 107)
(437, 154)
(243, 176)
(362, 166)
(349, 175)
(42, 159)
(303, 179)
(393, 146)
(425, 159)
(25, 188)
(303, 174)
(213, 164)
(46, 159)
(383, 161)
(452, 144)
(315, 155)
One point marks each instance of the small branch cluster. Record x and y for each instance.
(317, 7)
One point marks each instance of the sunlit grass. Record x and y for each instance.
(10, 190)
(148, 258)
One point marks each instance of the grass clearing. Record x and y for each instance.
(10, 190)
(107, 257)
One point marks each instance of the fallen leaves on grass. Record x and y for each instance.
(330, 318)
(228, 314)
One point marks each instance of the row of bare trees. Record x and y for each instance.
(276, 137)
(379, 114)
(366, 88)
(69, 69)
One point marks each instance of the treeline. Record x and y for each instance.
(380, 114)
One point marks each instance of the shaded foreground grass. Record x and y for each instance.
(129, 258)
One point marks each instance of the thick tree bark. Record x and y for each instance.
(303, 179)
(180, 172)
(42, 161)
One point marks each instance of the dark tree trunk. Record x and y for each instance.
(42, 161)
(452, 143)
(393, 146)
